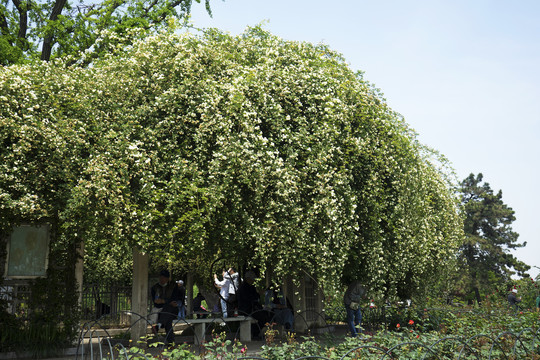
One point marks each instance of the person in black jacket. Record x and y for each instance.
(354, 294)
(513, 300)
(166, 297)
(198, 309)
(249, 304)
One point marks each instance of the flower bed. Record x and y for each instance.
(427, 334)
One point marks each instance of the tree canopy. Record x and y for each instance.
(485, 254)
(197, 146)
(45, 29)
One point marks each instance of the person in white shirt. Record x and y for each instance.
(224, 286)
(233, 287)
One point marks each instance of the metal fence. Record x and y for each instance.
(111, 300)
(15, 294)
(97, 300)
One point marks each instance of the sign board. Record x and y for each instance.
(28, 250)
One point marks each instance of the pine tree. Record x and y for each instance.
(485, 253)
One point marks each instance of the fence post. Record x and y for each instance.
(139, 297)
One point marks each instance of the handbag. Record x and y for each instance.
(354, 305)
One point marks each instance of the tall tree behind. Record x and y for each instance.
(485, 253)
(44, 29)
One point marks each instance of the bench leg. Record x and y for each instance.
(199, 331)
(245, 331)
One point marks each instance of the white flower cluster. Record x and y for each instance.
(250, 148)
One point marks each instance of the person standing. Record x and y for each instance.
(351, 299)
(224, 286)
(182, 300)
(513, 300)
(538, 303)
(165, 298)
(249, 304)
(232, 302)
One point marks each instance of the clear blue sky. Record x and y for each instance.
(464, 74)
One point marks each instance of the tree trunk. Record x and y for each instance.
(48, 43)
(475, 287)
(23, 19)
(477, 294)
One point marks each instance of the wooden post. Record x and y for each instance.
(320, 305)
(189, 292)
(296, 294)
(303, 326)
(139, 302)
(79, 270)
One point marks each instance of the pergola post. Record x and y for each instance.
(139, 297)
(189, 291)
(79, 271)
(299, 305)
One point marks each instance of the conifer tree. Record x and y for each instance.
(485, 253)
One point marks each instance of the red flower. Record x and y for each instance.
(243, 350)
(398, 326)
(411, 322)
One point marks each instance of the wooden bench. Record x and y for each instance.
(199, 326)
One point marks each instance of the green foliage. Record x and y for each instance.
(45, 30)
(179, 352)
(450, 333)
(485, 258)
(420, 329)
(40, 338)
(250, 148)
(48, 319)
(221, 348)
(9, 54)
(292, 349)
(528, 291)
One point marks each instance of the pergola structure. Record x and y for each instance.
(307, 298)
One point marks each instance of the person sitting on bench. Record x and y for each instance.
(166, 297)
(249, 304)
